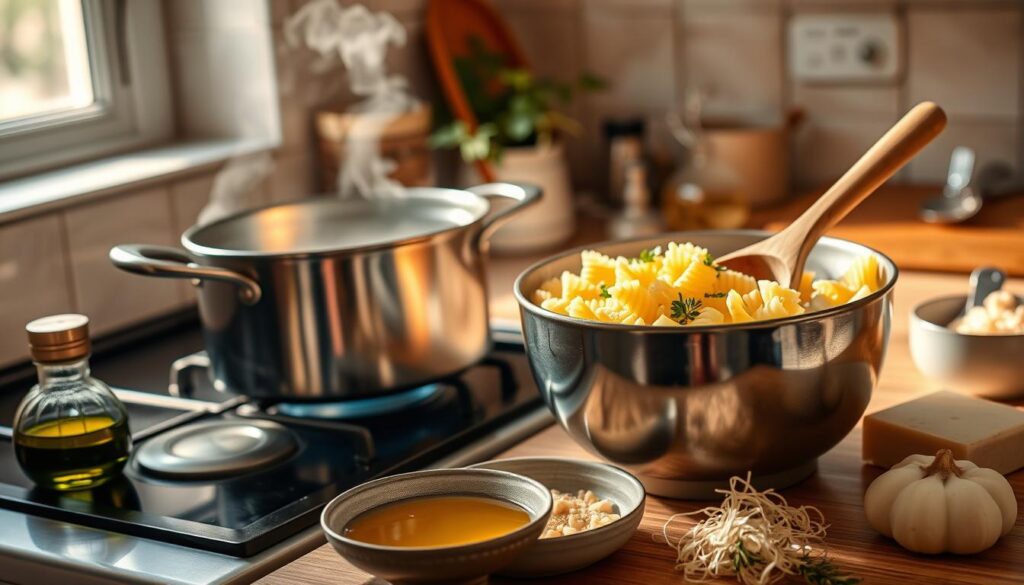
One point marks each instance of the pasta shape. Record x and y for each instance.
(683, 286)
(597, 268)
(863, 272)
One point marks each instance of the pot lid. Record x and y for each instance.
(326, 224)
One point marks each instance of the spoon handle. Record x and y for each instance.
(893, 150)
(984, 281)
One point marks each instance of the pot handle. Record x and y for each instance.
(169, 262)
(522, 194)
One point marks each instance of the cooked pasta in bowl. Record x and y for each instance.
(684, 285)
(656, 358)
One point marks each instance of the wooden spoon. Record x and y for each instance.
(782, 256)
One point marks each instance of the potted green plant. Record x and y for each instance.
(520, 135)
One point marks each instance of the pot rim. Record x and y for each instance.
(431, 193)
(525, 304)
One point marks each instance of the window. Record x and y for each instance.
(79, 79)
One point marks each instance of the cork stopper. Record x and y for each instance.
(59, 338)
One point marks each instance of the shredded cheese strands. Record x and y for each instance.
(753, 536)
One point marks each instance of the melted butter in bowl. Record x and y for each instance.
(437, 521)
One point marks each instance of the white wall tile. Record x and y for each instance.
(847, 102)
(633, 50)
(549, 33)
(188, 197)
(292, 178)
(632, 47)
(110, 297)
(226, 83)
(825, 150)
(735, 55)
(996, 140)
(967, 61)
(413, 62)
(33, 280)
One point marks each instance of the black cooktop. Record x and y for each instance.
(244, 514)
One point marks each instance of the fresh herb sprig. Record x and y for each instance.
(819, 571)
(822, 571)
(604, 292)
(649, 255)
(709, 260)
(685, 310)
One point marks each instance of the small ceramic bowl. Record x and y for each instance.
(985, 365)
(554, 556)
(455, 565)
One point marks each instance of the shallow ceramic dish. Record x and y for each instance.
(453, 565)
(985, 365)
(554, 556)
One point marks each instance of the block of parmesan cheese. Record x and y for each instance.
(985, 433)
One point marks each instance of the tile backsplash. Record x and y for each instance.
(967, 55)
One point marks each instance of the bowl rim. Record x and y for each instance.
(938, 329)
(594, 532)
(466, 548)
(538, 311)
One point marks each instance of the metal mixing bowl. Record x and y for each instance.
(685, 409)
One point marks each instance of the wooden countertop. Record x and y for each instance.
(837, 488)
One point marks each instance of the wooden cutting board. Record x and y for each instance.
(888, 222)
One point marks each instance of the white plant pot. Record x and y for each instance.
(545, 225)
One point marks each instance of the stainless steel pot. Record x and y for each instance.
(330, 299)
(687, 408)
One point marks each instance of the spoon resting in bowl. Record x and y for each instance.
(782, 256)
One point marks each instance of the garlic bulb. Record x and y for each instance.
(935, 504)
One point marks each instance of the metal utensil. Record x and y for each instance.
(768, 397)
(330, 299)
(984, 281)
(959, 201)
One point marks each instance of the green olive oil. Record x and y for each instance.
(74, 453)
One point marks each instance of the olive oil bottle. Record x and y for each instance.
(70, 431)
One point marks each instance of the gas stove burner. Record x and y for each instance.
(212, 449)
(361, 408)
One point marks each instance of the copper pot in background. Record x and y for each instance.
(758, 155)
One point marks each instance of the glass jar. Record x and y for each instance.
(70, 430)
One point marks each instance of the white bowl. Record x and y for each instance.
(554, 556)
(985, 365)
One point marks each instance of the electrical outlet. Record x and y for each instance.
(838, 48)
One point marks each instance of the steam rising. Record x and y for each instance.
(360, 38)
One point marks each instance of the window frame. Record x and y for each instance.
(131, 95)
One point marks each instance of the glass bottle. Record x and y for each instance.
(637, 219)
(70, 430)
(704, 193)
